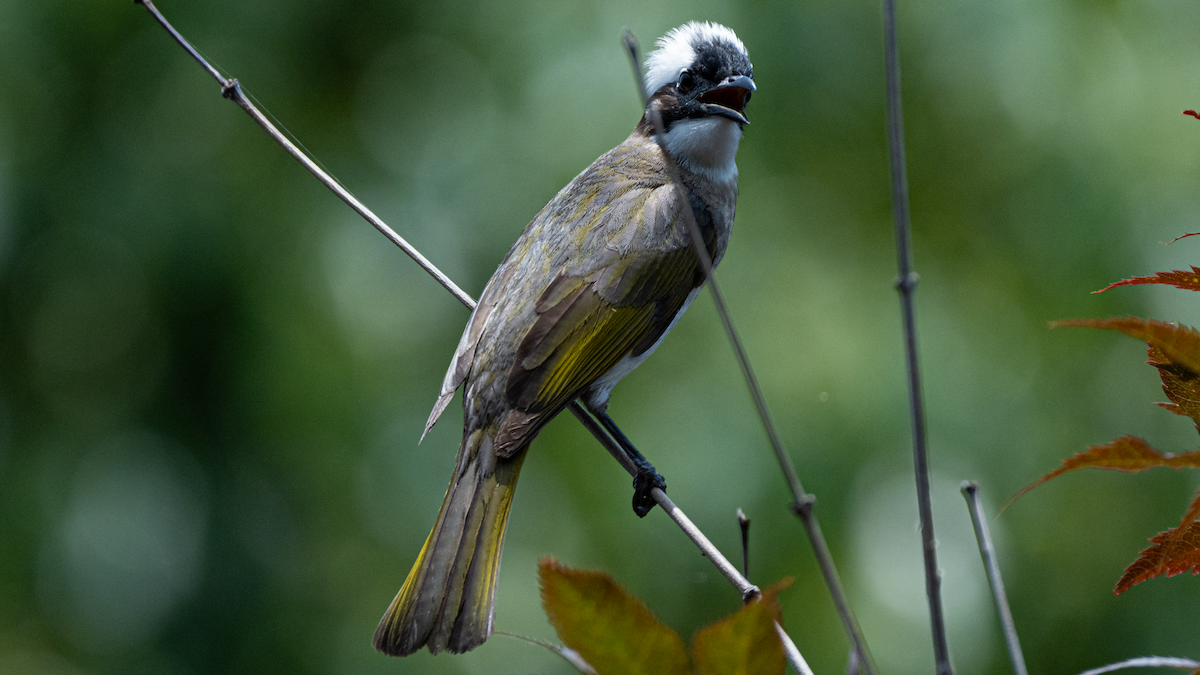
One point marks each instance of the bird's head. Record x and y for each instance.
(700, 70)
(700, 79)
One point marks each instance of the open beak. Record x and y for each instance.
(729, 98)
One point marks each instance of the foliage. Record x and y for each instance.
(1175, 351)
(1174, 552)
(616, 634)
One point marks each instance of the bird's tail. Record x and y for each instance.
(447, 600)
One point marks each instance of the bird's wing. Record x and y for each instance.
(595, 312)
(578, 219)
(464, 355)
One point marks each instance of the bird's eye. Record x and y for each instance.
(685, 81)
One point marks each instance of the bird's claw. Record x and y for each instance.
(643, 483)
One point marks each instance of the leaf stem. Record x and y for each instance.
(566, 653)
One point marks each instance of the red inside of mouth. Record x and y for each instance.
(734, 98)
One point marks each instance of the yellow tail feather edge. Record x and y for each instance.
(448, 599)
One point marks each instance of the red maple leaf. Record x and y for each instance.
(1174, 552)
(1188, 281)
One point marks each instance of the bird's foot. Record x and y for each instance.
(643, 483)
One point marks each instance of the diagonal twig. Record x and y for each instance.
(232, 90)
(906, 285)
(987, 551)
(743, 585)
(803, 502)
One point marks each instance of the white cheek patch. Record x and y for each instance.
(676, 51)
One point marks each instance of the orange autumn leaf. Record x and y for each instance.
(1174, 552)
(615, 634)
(1174, 350)
(1188, 281)
(1193, 512)
(1180, 384)
(612, 630)
(745, 642)
(1179, 344)
(1129, 454)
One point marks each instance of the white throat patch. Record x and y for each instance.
(676, 51)
(707, 145)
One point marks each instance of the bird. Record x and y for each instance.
(588, 291)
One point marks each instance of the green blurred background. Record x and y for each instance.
(213, 375)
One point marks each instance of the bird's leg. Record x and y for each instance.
(647, 477)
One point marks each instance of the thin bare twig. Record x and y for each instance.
(987, 551)
(794, 658)
(747, 589)
(802, 501)
(906, 285)
(824, 557)
(744, 526)
(1146, 662)
(566, 653)
(232, 90)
